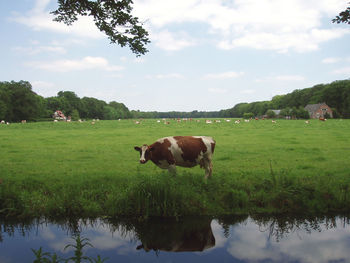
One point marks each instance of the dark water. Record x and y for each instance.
(234, 239)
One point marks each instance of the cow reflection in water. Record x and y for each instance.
(178, 236)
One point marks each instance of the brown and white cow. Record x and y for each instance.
(185, 151)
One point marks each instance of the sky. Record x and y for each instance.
(204, 55)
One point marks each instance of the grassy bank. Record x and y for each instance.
(60, 169)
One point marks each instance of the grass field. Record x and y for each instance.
(79, 169)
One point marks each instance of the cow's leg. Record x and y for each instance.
(172, 169)
(208, 168)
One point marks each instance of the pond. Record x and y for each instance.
(229, 239)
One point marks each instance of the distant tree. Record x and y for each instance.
(239, 109)
(113, 17)
(53, 104)
(94, 108)
(44, 112)
(3, 110)
(335, 113)
(276, 101)
(271, 114)
(110, 113)
(75, 115)
(69, 101)
(343, 17)
(285, 112)
(121, 110)
(294, 112)
(5, 101)
(302, 113)
(20, 101)
(248, 115)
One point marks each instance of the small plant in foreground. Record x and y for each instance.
(80, 243)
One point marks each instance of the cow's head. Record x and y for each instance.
(145, 152)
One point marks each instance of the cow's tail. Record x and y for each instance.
(213, 143)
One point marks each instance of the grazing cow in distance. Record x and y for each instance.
(185, 151)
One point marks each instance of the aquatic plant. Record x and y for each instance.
(78, 246)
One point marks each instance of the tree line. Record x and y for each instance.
(336, 95)
(19, 102)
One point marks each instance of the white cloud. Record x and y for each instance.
(251, 244)
(139, 60)
(44, 88)
(342, 71)
(280, 26)
(265, 24)
(42, 84)
(330, 60)
(302, 41)
(39, 18)
(172, 41)
(166, 76)
(223, 75)
(66, 65)
(40, 49)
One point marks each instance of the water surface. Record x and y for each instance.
(232, 239)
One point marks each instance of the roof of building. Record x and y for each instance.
(314, 107)
(277, 112)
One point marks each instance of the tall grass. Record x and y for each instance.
(79, 169)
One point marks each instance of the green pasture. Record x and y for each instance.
(89, 170)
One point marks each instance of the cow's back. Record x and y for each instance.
(189, 150)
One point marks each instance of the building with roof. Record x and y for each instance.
(319, 110)
(58, 115)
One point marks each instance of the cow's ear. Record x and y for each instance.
(137, 148)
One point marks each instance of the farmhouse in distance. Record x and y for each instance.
(320, 110)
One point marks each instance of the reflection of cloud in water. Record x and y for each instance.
(220, 239)
(102, 238)
(48, 234)
(248, 242)
(99, 235)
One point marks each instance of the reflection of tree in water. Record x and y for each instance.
(10, 227)
(228, 221)
(182, 234)
(280, 227)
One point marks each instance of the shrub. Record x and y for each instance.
(248, 115)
